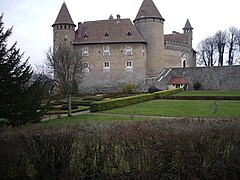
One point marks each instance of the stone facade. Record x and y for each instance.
(109, 72)
(116, 51)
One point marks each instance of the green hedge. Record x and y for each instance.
(200, 97)
(167, 92)
(119, 102)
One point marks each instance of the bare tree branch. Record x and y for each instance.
(66, 64)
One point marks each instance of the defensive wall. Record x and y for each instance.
(211, 78)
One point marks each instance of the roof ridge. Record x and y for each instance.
(106, 20)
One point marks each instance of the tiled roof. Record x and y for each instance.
(177, 37)
(64, 16)
(187, 25)
(148, 9)
(177, 80)
(107, 31)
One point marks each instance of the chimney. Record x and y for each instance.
(118, 17)
(110, 17)
(175, 32)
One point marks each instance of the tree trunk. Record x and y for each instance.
(69, 99)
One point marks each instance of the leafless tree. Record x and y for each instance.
(232, 43)
(206, 49)
(65, 64)
(220, 39)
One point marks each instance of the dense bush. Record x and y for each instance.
(130, 88)
(186, 149)
(197, 85)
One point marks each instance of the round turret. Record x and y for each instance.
(63, 28)
(149, 24)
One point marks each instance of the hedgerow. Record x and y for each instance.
(119, 102)
(186, 149)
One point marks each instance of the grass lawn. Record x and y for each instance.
(182, 108)
(208, 93)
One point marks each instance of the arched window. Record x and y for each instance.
(184, 60)
(184, 63)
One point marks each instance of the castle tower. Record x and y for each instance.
(149, 24)
(63, 28)
(189, 31)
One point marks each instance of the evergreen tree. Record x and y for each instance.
(19, 98)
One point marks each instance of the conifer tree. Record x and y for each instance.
(19, 98)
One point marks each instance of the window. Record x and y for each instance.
(106, 50)
(143, 51)
(85, 35)
(184, 63)
(129, 66)
(128, 50)
(184, 60)
(106, 34)
(85, 51)
(85, 67)
(106, 66)
(129, 33)
(65, 37)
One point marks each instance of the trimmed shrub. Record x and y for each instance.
(197, 85)
(232, 98)
(119, 102)
(167, 92)
(130, 88)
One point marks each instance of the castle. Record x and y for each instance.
(117, 51)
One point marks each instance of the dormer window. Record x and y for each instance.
(129, 33)
(85, 35)
(106, 34)
(128, 50)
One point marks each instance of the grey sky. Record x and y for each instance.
(32, 19)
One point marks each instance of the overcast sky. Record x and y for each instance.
(32, 19)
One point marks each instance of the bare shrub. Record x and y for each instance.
(176, 149)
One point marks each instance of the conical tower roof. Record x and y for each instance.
(148, 9)
(187, 25)
(64, 16)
